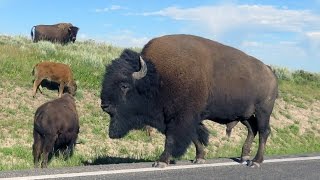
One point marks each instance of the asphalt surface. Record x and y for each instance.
(288, 167)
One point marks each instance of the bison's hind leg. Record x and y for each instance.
(37, 149)
(251, 125)
(71, 145)
(264, 131)
(230, 126)
(47, 149)
(262, 114)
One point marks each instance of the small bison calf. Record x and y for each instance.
(54, 72)
(56, 128)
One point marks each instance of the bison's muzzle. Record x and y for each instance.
(105, 107)
(116, 131)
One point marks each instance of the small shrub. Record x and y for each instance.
(282, 73)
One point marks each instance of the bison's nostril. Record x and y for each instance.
(104, 107)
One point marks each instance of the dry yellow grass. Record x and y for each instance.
(18, 107)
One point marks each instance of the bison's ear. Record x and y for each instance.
(142, 72)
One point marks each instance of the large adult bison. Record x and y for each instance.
(180, 80)
(56, 128)
(61, 33)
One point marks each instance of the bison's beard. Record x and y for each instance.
(117, 130)
(119, 127)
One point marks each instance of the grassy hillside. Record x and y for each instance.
(295, 121)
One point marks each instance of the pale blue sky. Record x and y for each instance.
(278, 32)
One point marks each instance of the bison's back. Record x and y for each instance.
(53, 70)
(50, 32)
(59, 114)
(197, 72)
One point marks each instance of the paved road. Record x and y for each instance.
(289, 167)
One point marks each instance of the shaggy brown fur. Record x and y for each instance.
(55, 72)
(56, 128)
(221, 82)
(189, 79)
(61, 33)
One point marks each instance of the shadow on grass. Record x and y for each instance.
(51, 85)
(114, 160)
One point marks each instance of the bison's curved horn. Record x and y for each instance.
(142, 72)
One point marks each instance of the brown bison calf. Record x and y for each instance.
(56, 128)
(54, 72)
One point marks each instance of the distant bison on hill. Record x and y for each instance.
(56, 128)
(60, 33)
(54, 72)
(180, 80)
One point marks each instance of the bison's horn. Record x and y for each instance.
(142, 72)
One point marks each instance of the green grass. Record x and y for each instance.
(17, 157)
(87, 59)
(298, 86)
(289, 141)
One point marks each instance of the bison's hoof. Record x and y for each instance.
(159, 164)
(244, 159)
(199, 161)
(253, 164)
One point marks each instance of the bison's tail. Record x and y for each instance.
(203, 134)
(38, 129)
(32, 29)
(33, 70)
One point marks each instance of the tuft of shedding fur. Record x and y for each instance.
(64, 26)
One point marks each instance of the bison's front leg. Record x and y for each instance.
(199, 151)
(166, 154)
(36, 85)
(61, 87)
(178, 138)
(200, 140)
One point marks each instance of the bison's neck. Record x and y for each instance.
(155, 118)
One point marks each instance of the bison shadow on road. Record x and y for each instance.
(121, 160)
(114, 160)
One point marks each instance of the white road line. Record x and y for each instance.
(123, 171)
